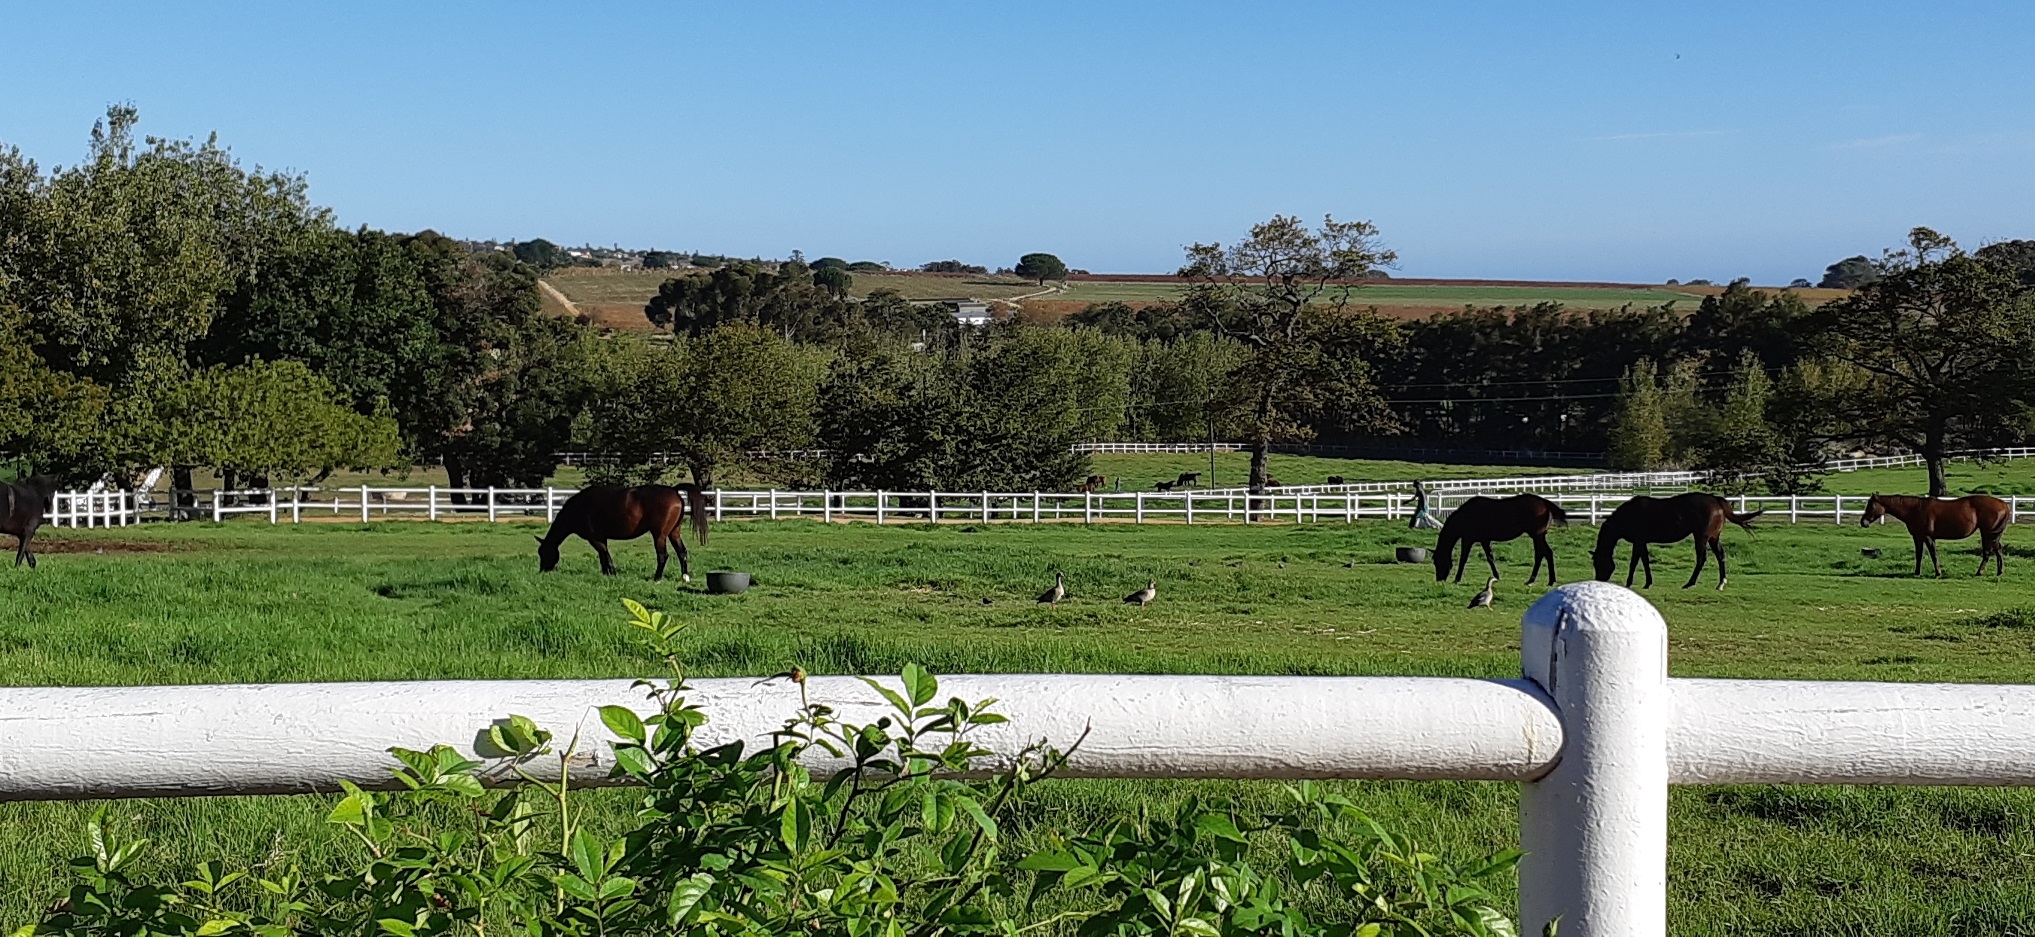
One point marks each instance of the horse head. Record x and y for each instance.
(1874, 510)
(547, 555)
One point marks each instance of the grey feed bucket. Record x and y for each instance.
(723, 582)
(1411, 554)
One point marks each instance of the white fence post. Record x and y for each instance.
(363, 504)
(491, 503)
(272, 507)
(879, 507)
(550, 503)
(431, 502)
(1595, 828)
(218, 499)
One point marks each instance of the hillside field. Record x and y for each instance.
(615, 298)
(414, 600)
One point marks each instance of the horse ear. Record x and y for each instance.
(540, 540)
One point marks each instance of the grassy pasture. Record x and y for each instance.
(412, 600)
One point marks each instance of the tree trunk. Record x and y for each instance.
(455, 477)
(702, 474)
(1933, 455)
(1937, 486)
(181, 495)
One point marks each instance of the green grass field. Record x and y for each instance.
(246, 602)
(1138, 471)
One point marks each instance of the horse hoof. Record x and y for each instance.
(685, 577)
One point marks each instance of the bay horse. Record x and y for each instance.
(1644, 520)
(600, 514)
(1931, 519)
(1483, 520)
(23, 505)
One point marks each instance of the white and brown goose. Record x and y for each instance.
(1144, 596)
(1059, 591)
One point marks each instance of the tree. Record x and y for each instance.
(662, 260)
(1944, 341)
(1849, 273)
(2017, 256)
(1284, 293)
(1639, 431)
(834, 281)
(267, 418)
(542, 254)
(1742, 447)
(707, 400)
(952, 266)
(1041, 267)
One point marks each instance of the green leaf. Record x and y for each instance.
(920, 684)
(1496, 923)
(796, 825)
(634, 760)
(1081, 875)
(397, 927)
(216, 926)
(576, 887)
(624, 722)
(686, 895)
(1369, 930)
(587, 855)
(1050, 862)
(617, 888)
(1220, 826)
(981, 819)
(897, 702)
(352, 810)
(1198, 927)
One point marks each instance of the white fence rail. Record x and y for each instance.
(1595, 731)
(369, 503)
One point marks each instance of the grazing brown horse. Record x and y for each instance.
(1933, 519)
(22, 507)
(1644, 520)
(1487, 520)
(598, 515)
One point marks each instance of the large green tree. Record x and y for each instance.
(1284, 292)
(1945, 342)
(1041, 267)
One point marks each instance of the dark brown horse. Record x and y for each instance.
(23, 505)
(599, 515)
(1644, 520)
(1488, 520)
(1933, 519)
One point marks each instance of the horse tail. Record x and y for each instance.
(696, 501)
(1743, 520)
(1556, 514)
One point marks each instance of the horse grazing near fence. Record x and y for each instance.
(598, 515)
(1483, 520)
(23, 505)
(1644, 520)
(1932, 519)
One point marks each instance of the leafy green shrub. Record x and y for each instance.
(903, 841)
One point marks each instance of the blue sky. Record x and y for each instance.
(1630, 142)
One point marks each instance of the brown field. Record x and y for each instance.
(614, 299)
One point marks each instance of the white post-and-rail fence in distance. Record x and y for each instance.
(1220, 505)
(1594, 730)
(1588, 497)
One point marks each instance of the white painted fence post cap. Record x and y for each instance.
(1588, 606)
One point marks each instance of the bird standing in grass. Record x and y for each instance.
(1144, 596)
(1054, 595)
(1483, 599)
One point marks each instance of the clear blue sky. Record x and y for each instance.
(1626, 141)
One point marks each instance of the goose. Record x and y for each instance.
(1144, 596)
(1483, 599)
(1059, 591)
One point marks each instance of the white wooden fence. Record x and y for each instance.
(1595, 730)
(1292, 506)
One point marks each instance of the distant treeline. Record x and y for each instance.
(160, 305)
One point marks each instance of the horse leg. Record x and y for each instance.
(1702, 553)
(678, 542)
(1723, 576)
(1918, 556)
(1933, 561)
(1463, 561)
(1539, 547)
(657, 540)
(1632, 564)
(1646, 562)
(607, 561)
(1488, 558)
(1540, 541)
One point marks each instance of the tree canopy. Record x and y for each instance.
(1041, 267)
